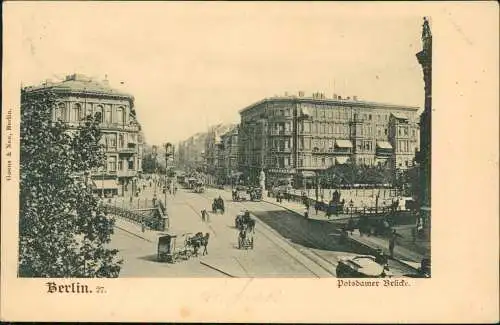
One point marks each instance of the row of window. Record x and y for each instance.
(109, 140)
(77, 112)
(324, 128)
(404, 146)
(114, 164)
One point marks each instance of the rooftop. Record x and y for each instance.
(80, 83)
(320, 98)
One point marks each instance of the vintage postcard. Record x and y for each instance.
(250, 162)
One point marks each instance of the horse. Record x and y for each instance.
(204, 243)
(251, 225)
(195, 242)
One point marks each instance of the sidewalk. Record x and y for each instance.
(404, 255)
(299, 208)
(136, 230)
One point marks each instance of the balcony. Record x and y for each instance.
(280, 132)
(126, 150)
(119, 126)
(126, 173)
(283, 150)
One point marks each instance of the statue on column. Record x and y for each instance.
(262, 180)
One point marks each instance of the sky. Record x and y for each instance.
(190, 65)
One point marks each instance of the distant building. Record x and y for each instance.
(213, 149)
(80, 96)
(228, 156)
(191, 152)
(292, 138)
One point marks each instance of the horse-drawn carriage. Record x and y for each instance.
(246, 226)
(255, 193)
(245, 239)
(218, 205)
(169, 250)
(199, 187)
(240, 193)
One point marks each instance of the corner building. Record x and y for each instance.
(293, 138)
(79, 96)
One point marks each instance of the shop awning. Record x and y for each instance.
(399, 116)
(308, 173)
(341, 160)
(106, 184)
(384, 145)
(343, 143)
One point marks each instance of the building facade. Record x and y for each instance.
(228, 156)
(191, 152)
(79, 96)
(214, 150)
(293, 138)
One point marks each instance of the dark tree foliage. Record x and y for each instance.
(347, 174)
(63, 231)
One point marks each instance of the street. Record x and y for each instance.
(286, 245)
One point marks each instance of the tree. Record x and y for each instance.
(63, 230)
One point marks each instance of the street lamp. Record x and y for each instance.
(154, 155)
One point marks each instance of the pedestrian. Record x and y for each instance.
(316, 207)
(203, 215)
(392, 242)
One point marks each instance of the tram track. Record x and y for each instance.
(280, 242)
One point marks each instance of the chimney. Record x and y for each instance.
(339, 97)
(354, 97)
(348, 98)
(301, 94)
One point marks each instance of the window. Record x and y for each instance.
(120, 164)
(107, 115)
(98, 113)
(60, 112)
(119, 115)
(112, 140)
(287, 161)
(131, 164)
(76, 112)
(405, 131)
(307, 127)
(112, 164)
(301, 162)
(385, 131)
(323, 162)
(121, 141)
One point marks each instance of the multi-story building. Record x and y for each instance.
(79, 96)
(294, 137)
(213, 147)
(192, 151)
(228, 155)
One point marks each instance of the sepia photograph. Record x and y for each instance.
(220, 141)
